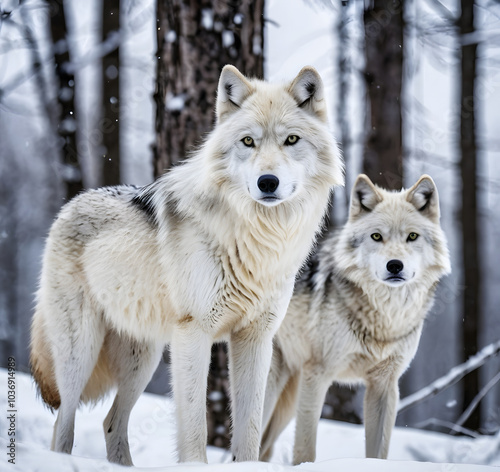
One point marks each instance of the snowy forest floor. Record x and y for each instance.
(152, 443)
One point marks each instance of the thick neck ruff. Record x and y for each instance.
(382, 313)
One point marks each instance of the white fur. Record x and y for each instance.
(348, 323)
(196, 257)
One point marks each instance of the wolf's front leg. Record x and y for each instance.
(380, 405)
(250, 352)
(190, 350)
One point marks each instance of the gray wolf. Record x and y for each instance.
(357, 314)
(207, 253)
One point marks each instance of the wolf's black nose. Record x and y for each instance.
(268, 183)
(394, 266)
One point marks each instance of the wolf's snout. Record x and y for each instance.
(268, 183)
(395, 266)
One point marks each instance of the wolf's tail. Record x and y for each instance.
(42, 363)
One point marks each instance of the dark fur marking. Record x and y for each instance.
(237, 252)
(305, 102)
(427, 196)
(229, 89)
(186, 319)
(144, 202)
(360, 198)
(310, 270)
(433, 242)
(328, 284)
(311, 88)
(172, 207)
(356, 241)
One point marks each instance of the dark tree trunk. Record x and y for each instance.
(218, 424)
(469, 211)
(196, 39)
(340, 404)
(8, 261)
(344, 68)
(110, 124)
(339, 401)
(66, 116)
(382, 161)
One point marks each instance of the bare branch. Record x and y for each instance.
(446, 425)
(107, 46)
(451, 378)
(478, 37)
(110, 44)
(465, 415)
(36, 65)
(443, 11)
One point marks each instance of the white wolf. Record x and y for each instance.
(357, 314)
(208, 252)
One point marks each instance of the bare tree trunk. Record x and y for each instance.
(218, 424)
(340, 404)
(8, 255)
(66, 117)
(195, 40)
(383, 21)
(469, 211)
(110, 124)
(344, 67)
(339, 400)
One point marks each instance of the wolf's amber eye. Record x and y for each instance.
(248, 141)
(376, 237)
(292, 139)
(412, 236)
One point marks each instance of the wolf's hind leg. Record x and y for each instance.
(133, 363)
(75, 351)
(312, 391)
(282, 414)
(278, 376)
(380, 405)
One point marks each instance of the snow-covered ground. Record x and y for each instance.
(152, 443)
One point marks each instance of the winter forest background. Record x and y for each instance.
(106, 92)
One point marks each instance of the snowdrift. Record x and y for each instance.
(152, 443)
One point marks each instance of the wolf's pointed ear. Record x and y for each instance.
(364, 197)
(233, 89)
(424, 197)
(307, 89)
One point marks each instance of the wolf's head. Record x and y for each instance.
(272, 141)
(394, 238)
